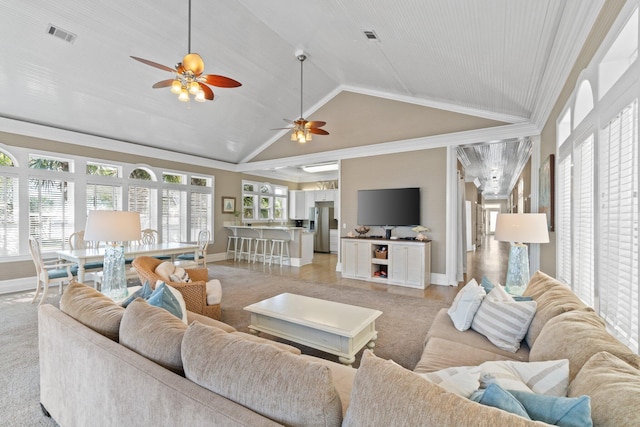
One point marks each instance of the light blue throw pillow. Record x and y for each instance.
(486, 284)
(560, 411)
(144, 292)
(163, 297)
(496, 396)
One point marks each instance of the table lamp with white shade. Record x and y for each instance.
(114, 228)
(520, 229)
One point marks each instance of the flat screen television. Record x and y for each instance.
(389, 207)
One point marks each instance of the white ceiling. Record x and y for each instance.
(501, 60)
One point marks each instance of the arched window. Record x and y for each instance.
(622, 53)
(584, 102)
(564, 127)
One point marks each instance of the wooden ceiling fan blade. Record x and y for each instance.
(208, 93)
(220, 81)
(163, 83)
(154, 64)
(291, 122)
(315, 124)
(318, 131)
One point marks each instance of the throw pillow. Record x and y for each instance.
(165, 269)
(556, 410)
(178, 295)
(486, 284)
(497, 397)
(549, 377)
(179, 275)
(463, 383)
(387, 395)
(502, 320)
(153, 333)
(214, 292)
(92, 309)
(466, 304)
(163, 297)
(614, 388)
(287, 388)
(144, 292)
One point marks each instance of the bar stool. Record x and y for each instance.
(232, 241)
(278, 249)
(260, 242)
(245, 248)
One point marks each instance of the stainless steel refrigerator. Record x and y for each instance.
(322, 216)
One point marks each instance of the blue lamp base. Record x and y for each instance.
(114, 281)
(518, 269)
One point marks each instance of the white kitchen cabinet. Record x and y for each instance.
(324, 195)
(297, 204)
(356, 259)
(408, 262)
(310, 202)
(334, 240)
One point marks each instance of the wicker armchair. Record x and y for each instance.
(194, 292)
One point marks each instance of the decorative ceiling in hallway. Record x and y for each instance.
(497, 166)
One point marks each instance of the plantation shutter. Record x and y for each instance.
(140, 201)
(619, 225)
(563, 221)
(50, 212)
(9, 218)
(200, 213)
(174, 215)
(104, 197)
(583, 222)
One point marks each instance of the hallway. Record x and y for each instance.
(490, 259)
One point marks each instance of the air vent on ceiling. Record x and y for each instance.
(371, 35)
(61, 34)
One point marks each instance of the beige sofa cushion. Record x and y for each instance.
(577, 335)
(614, 388)
(553, 298)
(343, 377)
(441, 354)
(387, 395)
(92, 309)
(154, 333)
(442, 327)
(270, 381)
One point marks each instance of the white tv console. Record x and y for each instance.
(408, 262)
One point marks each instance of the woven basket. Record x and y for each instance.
(381, 254)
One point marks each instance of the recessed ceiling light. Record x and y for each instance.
(321, 167)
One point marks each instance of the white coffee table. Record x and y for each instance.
(332, 327)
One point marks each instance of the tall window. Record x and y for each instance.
(262, 201)
(142, 197)
(174, 210)
(619, 224)
(50, 202)
(598, 180)
(9, 209)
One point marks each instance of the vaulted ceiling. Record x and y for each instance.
(437, 67)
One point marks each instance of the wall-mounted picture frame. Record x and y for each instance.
(228, 204)
(547, 190)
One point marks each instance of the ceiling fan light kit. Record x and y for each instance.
(188, 76)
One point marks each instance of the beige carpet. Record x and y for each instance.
(401, 328)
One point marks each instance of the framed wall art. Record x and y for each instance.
(228, 204)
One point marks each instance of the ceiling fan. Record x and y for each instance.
(303, 129)
(188, 76)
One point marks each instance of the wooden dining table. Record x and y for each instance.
(85, 256)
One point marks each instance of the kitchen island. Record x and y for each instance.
(300, 239)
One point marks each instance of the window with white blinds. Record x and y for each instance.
(583, 251)
(174, 215)
(104, 197)
(618, 257)
(140, 200)
(200, 213)
(563, 221)
(51, 212)
(9, 218)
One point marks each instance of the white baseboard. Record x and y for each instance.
(18, 285)
(440, 279)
